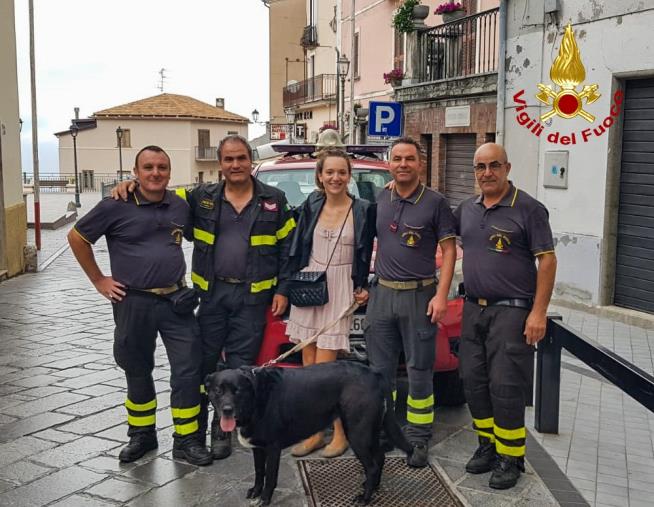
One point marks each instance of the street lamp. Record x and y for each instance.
(119, 136)
(342, 67)
(255, 116)
(74, 129)
(290, 118)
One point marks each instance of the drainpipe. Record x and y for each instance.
(350, 129)
(501, 75)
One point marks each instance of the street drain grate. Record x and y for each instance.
(335, 483)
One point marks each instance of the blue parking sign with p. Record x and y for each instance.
(385, 119)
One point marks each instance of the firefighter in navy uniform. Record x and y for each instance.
(406, 300)
(144, 236)
(504, 231)
(242, 233)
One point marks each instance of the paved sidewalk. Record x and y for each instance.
(605, 443)
(62, 419)
(53, 206)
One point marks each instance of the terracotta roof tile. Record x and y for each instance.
(168, 105)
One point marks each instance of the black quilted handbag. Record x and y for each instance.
(309, 288)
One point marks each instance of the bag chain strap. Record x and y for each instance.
(339, 236)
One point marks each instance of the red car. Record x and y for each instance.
(294, 173)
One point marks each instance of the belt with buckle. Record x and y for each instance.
(164, 291)
(406, 284)
(515, 302)
(228, 279)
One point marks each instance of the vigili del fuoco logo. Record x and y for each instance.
(567, 73)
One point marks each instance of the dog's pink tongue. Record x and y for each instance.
(227, 424)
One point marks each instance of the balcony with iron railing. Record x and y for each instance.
(206, 153)
(317, 88)
(309, 39)
(461, 48)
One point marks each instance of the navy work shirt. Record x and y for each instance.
(233, 241)
(501, 243)
(144, 238)
(408, 232)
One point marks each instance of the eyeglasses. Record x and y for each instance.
(493, 166)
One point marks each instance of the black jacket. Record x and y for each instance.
(364, 216)
(270, 238)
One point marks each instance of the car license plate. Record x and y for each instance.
(357, 325)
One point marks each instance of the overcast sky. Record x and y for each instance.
(95, 54)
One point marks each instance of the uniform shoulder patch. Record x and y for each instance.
(270, 206)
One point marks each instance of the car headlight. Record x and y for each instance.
(457, 279)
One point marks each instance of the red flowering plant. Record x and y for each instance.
(394, 75)
(447, 7)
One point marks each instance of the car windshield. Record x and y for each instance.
(297, 184)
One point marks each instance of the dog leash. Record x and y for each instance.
(299, 346)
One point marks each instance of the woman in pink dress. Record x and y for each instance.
(320, 220)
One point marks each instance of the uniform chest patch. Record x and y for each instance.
(177, 233)
(206, 203)
(499, 243)
(270, 206)
(412, 235)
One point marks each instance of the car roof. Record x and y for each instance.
(310, 163)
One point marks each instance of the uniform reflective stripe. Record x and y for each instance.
(487, 435)
(203, 390)
(146, 420)
(262, 285)
(420, 403)
(185, 413)
(508, 450)
(483, 423)
(186, 429)
(181, 192)
(263, 240)
(204, 236)
(394, 394)
(510, 434)
(420, 418)
(286, 229)
(140, 407)
(199, 281)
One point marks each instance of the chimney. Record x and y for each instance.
(220, 103)
(77, 113)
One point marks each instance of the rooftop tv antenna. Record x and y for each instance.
(162, 79)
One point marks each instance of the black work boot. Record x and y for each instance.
(483, 459)
(419, 456)
(138, 445)
(190, 448)
(221, 442)
(506, 471)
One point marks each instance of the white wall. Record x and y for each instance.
(9, 126)
(615, 41)
(97, 149)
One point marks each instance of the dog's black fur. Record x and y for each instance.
(274, 408)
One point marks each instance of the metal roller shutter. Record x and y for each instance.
(459, 176)
(634, 272)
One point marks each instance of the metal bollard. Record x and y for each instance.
(548, 381)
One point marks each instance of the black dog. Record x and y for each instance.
(274, 408)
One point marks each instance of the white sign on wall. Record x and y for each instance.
(457, 116)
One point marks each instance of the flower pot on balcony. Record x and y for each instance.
(395, 83)
(420, 13)
(452, 16)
